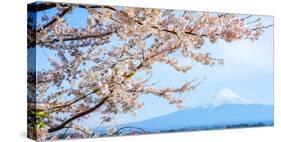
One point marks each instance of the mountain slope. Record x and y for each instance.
(227, 114)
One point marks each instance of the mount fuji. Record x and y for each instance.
(224, 96)
(224, 109)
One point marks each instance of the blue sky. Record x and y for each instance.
(248, 71)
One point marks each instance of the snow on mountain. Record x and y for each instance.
(224, 96)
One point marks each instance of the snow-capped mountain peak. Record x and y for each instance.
(224, 96)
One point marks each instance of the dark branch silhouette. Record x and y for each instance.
(62, 125)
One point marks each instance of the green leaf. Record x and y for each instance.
(96, 91)
(41, 114)
(131, 74)
(42, 124)
(116, 70)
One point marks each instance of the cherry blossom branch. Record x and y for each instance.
(247, 17)
(263, 27)
(73, 102)
(55, 19)
(125, 14)
(62, 125)
(78, 38)
(47, 6)
(41, 7)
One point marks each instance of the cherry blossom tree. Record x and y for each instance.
(92, 75)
